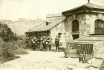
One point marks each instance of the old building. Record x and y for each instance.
(84, 20)
(54, 26)
(86, 24)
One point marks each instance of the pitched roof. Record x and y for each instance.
(88, 5)
(44, 27)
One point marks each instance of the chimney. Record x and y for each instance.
(47, 23)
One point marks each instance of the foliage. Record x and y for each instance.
(19, 51)
(5, 50)
(10, 44)
(6, 34)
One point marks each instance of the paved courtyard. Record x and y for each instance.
(43, 60)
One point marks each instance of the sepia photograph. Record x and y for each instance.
(51, 34)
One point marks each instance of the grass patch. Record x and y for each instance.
(9, 49)
(19, 51)
(2, 59)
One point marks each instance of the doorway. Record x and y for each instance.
(75, 36)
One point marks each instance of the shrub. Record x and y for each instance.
(19, 51)
(5, 51)
(10, 45)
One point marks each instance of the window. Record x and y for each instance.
(59, 34)
(99, 26)
(75, 26)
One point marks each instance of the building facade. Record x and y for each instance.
(85, 25)
(84, 20)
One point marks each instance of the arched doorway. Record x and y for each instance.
(75, 29)
(99, 26)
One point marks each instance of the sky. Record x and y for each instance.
(31, 9)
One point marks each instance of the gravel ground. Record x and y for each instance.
(43, 60)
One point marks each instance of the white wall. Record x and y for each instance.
(58, 29)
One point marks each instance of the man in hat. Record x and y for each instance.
(57, 43)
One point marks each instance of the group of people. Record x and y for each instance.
(42, 43)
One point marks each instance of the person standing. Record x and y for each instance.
(49, 43)
(44, 43)
(57, 43)
(41, 45)
(46, 47)
(38, 44)
(34, 43)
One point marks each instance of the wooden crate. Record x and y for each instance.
(71, 53)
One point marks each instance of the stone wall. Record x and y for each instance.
(68, 24)
(86, 23)
(98, 47)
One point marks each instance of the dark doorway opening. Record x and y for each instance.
(75, 36)
(75, 26)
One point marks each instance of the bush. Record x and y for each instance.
(10, 45)
(19, 51)
(5, 51)
(18, 47)
(9, 49)
(6, 34)
(21, 43)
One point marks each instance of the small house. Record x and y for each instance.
(54, 26)
(85, 25)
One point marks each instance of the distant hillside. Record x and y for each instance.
(22, 25)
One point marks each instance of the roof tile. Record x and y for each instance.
(44, 27)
